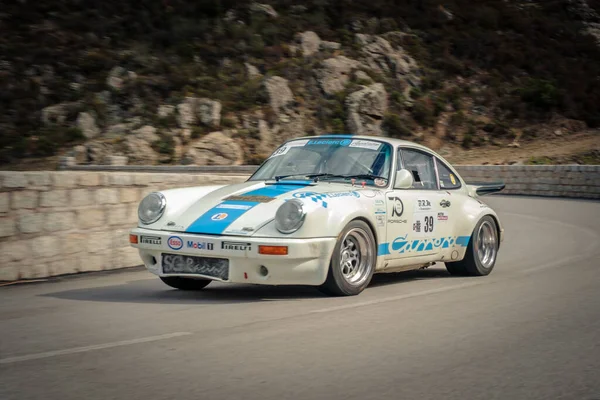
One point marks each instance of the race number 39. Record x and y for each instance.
(423, 224)
(428, 223)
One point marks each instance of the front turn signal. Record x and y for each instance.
(133, 239)
(273, 250)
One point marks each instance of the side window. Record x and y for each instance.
(421, 166)
(448, 180)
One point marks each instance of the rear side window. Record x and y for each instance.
(422, 168)
(448, 180)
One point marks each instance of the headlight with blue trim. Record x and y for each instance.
(290, 216)
(151, 208)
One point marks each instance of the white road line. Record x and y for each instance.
(74, 350)
(401, 297)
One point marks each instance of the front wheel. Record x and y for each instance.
(181, 283)
(482, 250)
(353, 261)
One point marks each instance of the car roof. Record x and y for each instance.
(392, 141)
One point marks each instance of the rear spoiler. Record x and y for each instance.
(481, 189)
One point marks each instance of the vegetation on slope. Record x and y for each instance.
(529, 60)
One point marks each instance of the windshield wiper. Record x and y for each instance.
(309, 175)
(278, 177)
(364, 176)
(324, 175)
(329, 175)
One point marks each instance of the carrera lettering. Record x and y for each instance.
(238, 246)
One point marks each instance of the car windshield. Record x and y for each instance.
(329, 159)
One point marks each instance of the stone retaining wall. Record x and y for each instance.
(55, 223)
(576, 181)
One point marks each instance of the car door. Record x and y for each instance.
(449, 204)
(412, 225)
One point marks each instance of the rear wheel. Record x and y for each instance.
(482, 250)
(181, 283)
(353, 261)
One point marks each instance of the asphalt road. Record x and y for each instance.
(531, 330)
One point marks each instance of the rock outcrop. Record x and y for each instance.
(365, 110)
(264, 9)
(335, 74)
(196, 110)
(251, 71)
(165, 110)
(118, 77)
(381, 56)
(325, 45)
(582, 11)
(58, 113)
(280, 94)
(87, 124)
(216, 148)
(139, 145)
(309, 43)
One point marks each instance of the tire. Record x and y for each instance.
(357, 246)
(180, 283)
(482, 251)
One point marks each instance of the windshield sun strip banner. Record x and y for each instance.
(217, 219)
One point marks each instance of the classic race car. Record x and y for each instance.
(326, 211)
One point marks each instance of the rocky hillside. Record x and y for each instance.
(224, 82)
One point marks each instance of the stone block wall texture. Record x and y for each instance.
(56, 223)
(573, 181)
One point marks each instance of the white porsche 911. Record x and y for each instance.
(326, 211)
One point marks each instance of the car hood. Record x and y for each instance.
(242, 209)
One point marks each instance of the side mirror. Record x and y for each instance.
(404, 179)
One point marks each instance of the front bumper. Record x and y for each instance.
(307, 261)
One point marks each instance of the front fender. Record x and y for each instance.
(178, 201)
(329, 220)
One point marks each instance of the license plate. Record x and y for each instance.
(207, 266)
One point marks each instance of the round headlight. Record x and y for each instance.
(290, 216)
(152, 208)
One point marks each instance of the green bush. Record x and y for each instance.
(397, 97)
(166, 146)
(227, 123)
(540, 93)
(457, 119)
(469, 137)
(197, 132)
(46, 141)
(395, 126)
(337, 125)
(424, 112)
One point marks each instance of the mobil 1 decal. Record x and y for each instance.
(424, 219)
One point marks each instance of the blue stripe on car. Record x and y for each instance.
(209, 222)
